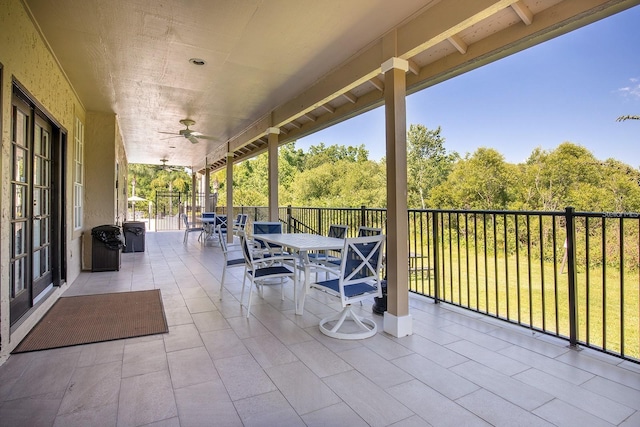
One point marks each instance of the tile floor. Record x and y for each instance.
(216, 367)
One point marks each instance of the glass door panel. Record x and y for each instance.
(20, 292)
(31, 217)
(41, 237)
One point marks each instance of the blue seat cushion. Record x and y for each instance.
(324, 258)
(350, 290)
(268, 271)
(235, 261)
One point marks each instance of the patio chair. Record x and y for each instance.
(221, 221)
(266, 272)
(358, 279)
(369, 231)
(239, 224)
(266, 227)
(208, 227)
(231, 258)
(190, 227)
(335, 230)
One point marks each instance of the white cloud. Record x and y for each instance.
(631, 90)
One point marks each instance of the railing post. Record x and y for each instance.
(319, 229)
(436, 259)
(288, 218)
(571, 271)
(363, 216)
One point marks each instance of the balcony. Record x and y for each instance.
(215, 367)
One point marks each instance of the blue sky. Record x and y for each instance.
(571, 88)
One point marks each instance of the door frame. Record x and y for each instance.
(57, 208)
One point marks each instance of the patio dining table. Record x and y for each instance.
(302, 244)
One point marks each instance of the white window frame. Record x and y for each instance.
(78, 175)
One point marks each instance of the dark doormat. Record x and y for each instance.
(88, 319)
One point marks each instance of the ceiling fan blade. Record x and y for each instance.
(171, 137)
(205, 137)
(193, 139)
(168, 133)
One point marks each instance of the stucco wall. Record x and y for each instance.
(25, 58)
(105, 165)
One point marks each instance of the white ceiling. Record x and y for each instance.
(296, 64)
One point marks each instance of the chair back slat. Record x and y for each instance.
(221, 221)
(246, 250)
(223, 240)
(338, 231)
(369, 231)
(362, 257)
(263, 227)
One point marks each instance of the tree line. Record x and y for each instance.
(344, 176)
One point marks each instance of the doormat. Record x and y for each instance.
(88, 319)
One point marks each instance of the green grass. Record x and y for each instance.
(538, 297)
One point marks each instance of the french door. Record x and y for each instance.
(35, 225)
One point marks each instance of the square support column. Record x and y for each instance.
(194, 186)
(207, 188)
(229, 196)
(272, 134)
(397, 320)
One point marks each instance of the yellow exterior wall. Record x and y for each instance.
(25, 57)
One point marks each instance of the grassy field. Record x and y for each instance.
(536, 295)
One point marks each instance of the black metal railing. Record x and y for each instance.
(574, 275)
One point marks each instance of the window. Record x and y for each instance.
(78, 175)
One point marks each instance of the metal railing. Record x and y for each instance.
(574, 275)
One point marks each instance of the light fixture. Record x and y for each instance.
(197, 61)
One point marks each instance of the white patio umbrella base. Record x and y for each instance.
(348, 326)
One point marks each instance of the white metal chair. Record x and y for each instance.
(232, 259)
(267, 227)
(369, 231)
(335, 230)
(239, 224)
(358, 279)
(266, 272)
(190, 227)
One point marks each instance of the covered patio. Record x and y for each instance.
(216, 367)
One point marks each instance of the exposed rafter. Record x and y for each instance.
(375, 82)
(350, 97)
(413, 67)
(311, 117)
(458, 43)
(328, 108)
(523, 12)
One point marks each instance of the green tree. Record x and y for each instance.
(341, 184)
(479, 181)
(321, 154)
(566, 176)
(428, 163)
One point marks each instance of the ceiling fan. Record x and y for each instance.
(166, 167)
(187, 133)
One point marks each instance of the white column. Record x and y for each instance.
(229, 197)
(207, 188)
(397, 320)
(273, 133)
